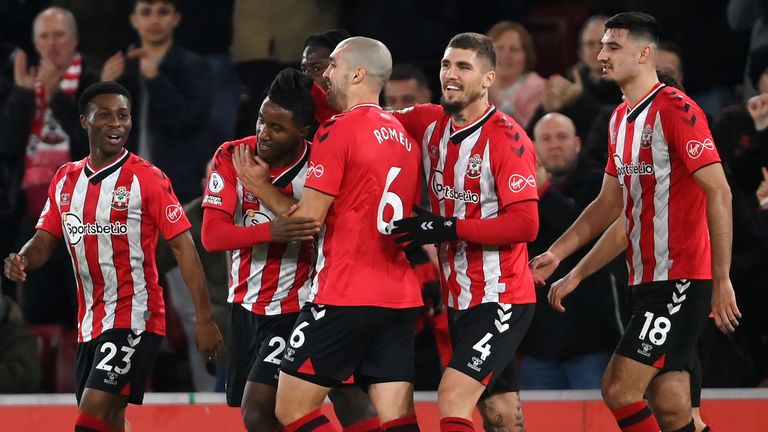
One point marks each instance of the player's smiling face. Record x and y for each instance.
(619, 55)
(338, 75)
(108, 123)
(279, 137)
(464, 78)
(314, 61)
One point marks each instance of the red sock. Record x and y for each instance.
(89, 423)
(402, 424)
(456, 424)
(314, 421)
(370, 425)
(636, 417)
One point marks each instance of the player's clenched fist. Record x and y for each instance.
(15, 266)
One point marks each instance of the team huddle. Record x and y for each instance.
(319, 207)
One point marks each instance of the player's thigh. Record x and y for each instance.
(485, 339)
(121, 362)
(625, 381)
(667, 320)
(242, 351)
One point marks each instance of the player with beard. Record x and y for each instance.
(480, 165)
(269, 277)
(109, 208)
(664, 172)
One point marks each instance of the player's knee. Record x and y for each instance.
(671, 409)
(260, 418)
(615, 395)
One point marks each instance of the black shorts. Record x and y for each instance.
(485, 339)
(335, 345)
(118, 361)
(667, 319)
(699, 361)
(256, 345)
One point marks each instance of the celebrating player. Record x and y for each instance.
(269, 278)
(664, 171)
(109, 208)
(480, 166)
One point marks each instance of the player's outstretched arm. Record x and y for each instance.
(610, 245)
(33, 255)
(207, 336)
(712, 179)
(592, 222)
(253, 173)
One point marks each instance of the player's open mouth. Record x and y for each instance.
(265, 147)
(114, 138)
(452, 88)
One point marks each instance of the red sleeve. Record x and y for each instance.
(221, 192)
(164, 208)
(323, 111)
(687, 133)
(518, 223)
(329, 156)
(50, 217)
(417, 118)
(219, 234)
(513, 164)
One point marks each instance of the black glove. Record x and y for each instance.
(425, 228)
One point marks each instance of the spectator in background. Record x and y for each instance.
(749, 15)
(173, 93)
(317, 50)
(19, 360)
(406, 87)
(569, 351)
(581, 93)
(518, 90)
(40, 129)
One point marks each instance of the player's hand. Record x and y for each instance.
(147, 63)
(252, 171)
(560, 289)
(724, 306)
(208, 339)
(23, 76)
(762, 190)
(114, 67)
(285, 229)
(15, 267)
(757, 106)
(424, 228)
(543, 266)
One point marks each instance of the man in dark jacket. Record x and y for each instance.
(569, 351)
(173, 91)
(19, 360)
(40, 131)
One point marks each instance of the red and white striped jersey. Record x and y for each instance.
(474, 172)
(110, 219)
(654, 148)
(368, 162)
(268, 278)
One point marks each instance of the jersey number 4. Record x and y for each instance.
(392, 199)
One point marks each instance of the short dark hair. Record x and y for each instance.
(329, 38)
(482, 46)
(100, 88)
(174, 3)
(292, 90)
(637, 24)
(667, 78)
(408, 71)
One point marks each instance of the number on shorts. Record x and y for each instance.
(392, 199)
(482, 347)
(109, 346)
(658, 334)
(297, 337)
(273, 357)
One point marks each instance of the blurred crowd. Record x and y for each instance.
(198, 70)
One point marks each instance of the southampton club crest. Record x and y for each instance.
(120, 198)
(646, 138)
(253, 217)
(474, 165)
